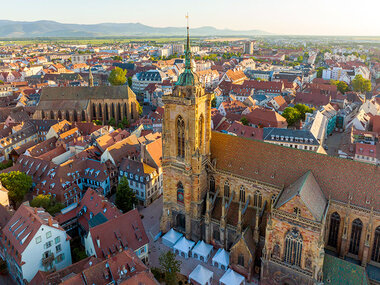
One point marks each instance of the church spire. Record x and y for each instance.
(187, 78)
(187, 52)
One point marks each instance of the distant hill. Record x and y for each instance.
(18, 29)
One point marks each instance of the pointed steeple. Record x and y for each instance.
(90, 79)
(187, 78)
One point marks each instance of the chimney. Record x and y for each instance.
(50, 221)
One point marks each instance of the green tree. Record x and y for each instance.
(292, 115)
(118, 58)
(213, 103)
(112, 122)
(319, 71)
(244, 121)
(125, 122)
(18, 184)
(170, 266)
(341, 85)
(48, 203)
(130, 81)
(360, 84)
(98, 122)
(117, 76)
(303, 109)
(125, 197)
(140, 108)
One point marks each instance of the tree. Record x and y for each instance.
(48, 203)
(292, 115)
(360, 84)
(112, 122)
(125, 197)
(140, 108)
(118, 58)
(170, 266)
(320, 71)
(125, 122)
(98, 122)
(341, 85)
(130, 81)
(18, 184)
(244, 121)
(213, 103)
(117, 76)
(303, 109)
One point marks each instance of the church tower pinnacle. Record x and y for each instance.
(90, 79)
(187, 78)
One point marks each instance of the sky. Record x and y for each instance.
(288, 17)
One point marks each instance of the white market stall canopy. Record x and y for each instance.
(202, 251)
(183, 247)
(221, 259)
(201, 275)
(171, 237)
(232, 278)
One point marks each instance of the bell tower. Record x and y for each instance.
(186, 149)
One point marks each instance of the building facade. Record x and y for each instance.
(274, 208)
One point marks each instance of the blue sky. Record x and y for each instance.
(296, 17)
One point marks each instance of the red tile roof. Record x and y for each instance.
(281, 166)
(113, 237)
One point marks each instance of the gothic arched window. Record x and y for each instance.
(216, 234)
(334, 230)
(113, 111)
(67, 115)
(212, 184)
(257, 199)
(43, 115)
(242, 194)
(273, 199)
(106, 113)
(376, 246)
(119, 112)
(226, 188)
(93, 111)
(241, 259)
(52, 115)
(75, 116)
(59, 115)
(293, 247)
(180, 193)
(100, 112)
(201, 135)
(356, 233)
(83, 117)
(180, 137)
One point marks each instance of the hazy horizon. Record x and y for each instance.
(278, 17)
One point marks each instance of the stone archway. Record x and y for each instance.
(180, 221)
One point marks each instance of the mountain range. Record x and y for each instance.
(20, 29)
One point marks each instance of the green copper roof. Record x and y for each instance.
(337, 271)
(187, 78)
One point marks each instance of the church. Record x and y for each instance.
(281, 212)
(88, 103)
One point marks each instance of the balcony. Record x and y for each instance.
(47, 260)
